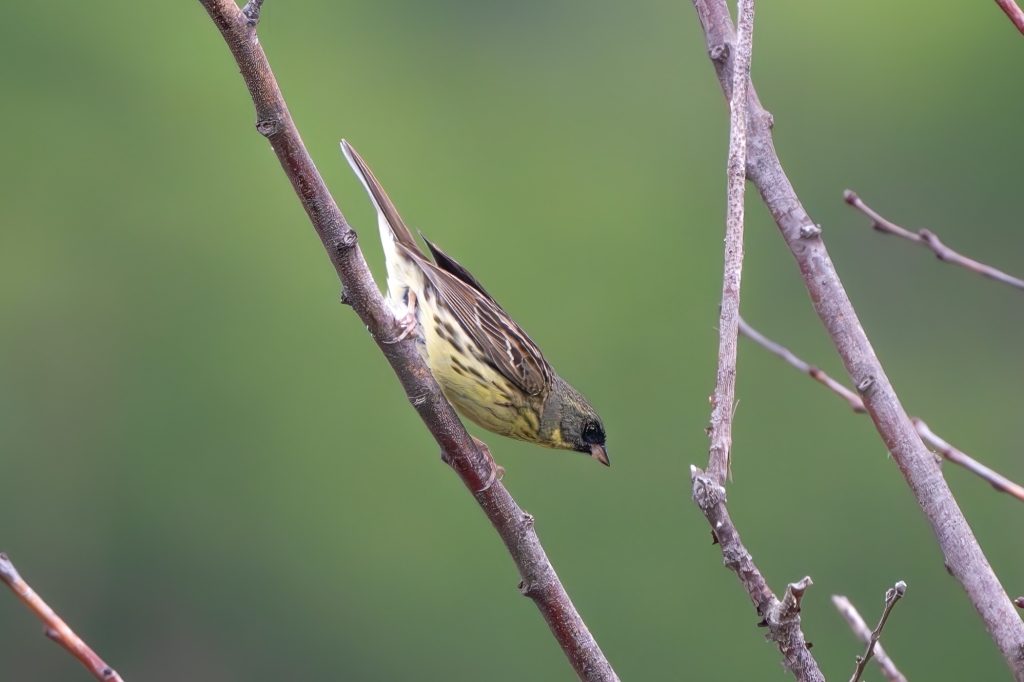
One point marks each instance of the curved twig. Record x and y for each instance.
(892, 595)
(54, 626)
(963, 555)
(472, 463)
(947, 451)
(930, 240)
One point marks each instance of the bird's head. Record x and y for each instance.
(572, 423)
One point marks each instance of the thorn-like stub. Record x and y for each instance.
(268, 126)
(810, 231)
(850, 197)
(343, 298)
(865, 384)
(528, 520)
(252, 12)
(346, 241)
(1019, 602)
(706, 491)
(719, 53)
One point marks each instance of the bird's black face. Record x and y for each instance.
(592, 440)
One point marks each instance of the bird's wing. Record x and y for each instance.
(452, 266)
(502, 341)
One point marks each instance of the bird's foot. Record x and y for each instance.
(407, 322)
(497, 471)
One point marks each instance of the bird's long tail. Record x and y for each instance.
(385, 208)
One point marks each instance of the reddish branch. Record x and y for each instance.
(472, 463)
(993, 478)
(54, 627)
(963, 555)
(930, 240)
(863, 632)
(1014, 12)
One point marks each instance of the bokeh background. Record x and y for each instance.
(212, 473)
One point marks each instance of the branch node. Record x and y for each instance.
(343, 298)
(865, 384)
(810, 231)
(1019, 602)
(719, 53)
(706, 492)
(345, 243)
(252, 12)
(268, 126)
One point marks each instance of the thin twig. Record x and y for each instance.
(947, 451)
(724, 397)
(863, 633)
(963, 555)
(930, 240)
(892, 595)
(1014, 12)
(472, 463)
(54, 627)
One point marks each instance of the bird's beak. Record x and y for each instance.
(600, 454)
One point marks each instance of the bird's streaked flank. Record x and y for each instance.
(487, 366)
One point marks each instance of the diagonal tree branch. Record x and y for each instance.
(781, 617)
(472, 463)
(55, 627)
(1014, 12)
(930, 240)
(993, 478)
(963, 555)
(863, 632)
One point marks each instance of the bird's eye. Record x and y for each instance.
(592, 432)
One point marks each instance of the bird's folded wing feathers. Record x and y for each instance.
(504, 343)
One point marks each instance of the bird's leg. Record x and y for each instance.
(408, 321)
(497, 471)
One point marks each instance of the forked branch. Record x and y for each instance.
(963, 555)
(54, 626)
(472, 463)
(781, 617)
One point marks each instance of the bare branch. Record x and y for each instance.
(947, 451)
(782, 618)
(472, 463)
(963, 555)
(863, 632)
(724, 397)
(854, 401)
(930, 240)
(54, 627)
(892, 595)
(1014, 12)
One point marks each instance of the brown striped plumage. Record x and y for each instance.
(487, 366)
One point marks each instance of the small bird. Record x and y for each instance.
(487, 366)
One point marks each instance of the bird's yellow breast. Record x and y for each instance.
(478, 390)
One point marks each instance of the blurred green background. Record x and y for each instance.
(212, 472)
